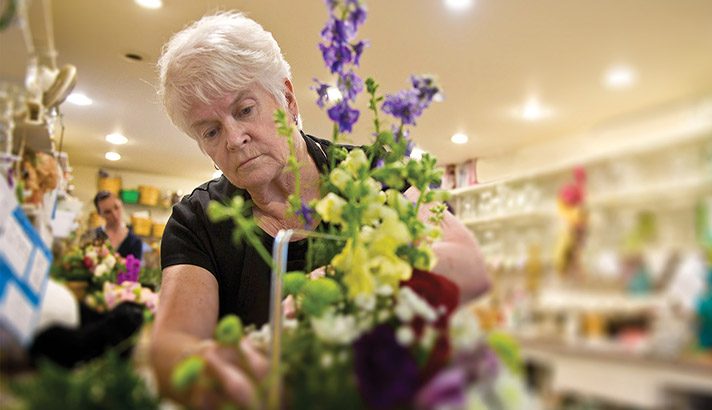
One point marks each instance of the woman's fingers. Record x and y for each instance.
(234, 382)
(255, 359)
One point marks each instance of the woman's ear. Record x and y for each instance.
(292, 105)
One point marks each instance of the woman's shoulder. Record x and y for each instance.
(217, 189)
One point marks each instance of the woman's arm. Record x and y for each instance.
(458, 253)
(184, 325)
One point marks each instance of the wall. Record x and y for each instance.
(673, 122)
(86, 177)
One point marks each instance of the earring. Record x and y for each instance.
(296, 119)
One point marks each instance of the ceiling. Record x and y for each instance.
(489, 59)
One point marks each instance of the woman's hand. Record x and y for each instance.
(233, 376)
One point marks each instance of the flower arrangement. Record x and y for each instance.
(95, 262)
(112, 294)
(371, 327)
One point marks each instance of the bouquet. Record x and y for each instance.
(95, 262)
(368, 326)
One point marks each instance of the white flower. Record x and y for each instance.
(337, 329)
(327, 359)
(355, 160)
(109, 261)
(510, 391)
(366, 302)
(261, 338)
(100, 270)
(405, 335)
(427, 340)
(464, 330)
(410, 304)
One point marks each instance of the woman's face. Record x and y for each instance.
(238, 133)
(111, 210)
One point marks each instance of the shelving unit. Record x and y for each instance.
(576, 328)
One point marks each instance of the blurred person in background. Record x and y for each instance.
(119, 234)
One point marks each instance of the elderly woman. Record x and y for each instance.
(221, 80)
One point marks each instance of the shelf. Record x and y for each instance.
(518, 218)
(666, 193)
(696, 129)
(606, 372)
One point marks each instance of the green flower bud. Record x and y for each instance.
(229, 330)
(187, 373)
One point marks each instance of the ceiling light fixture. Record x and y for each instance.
(79, 99)
(150, 4)
(459, 138)
(116, 139)
(534, 111)
(619, 77)
(112, 156)
(458, 4)
(334, 94)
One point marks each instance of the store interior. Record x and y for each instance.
(574, 139)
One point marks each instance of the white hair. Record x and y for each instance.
(217, 55)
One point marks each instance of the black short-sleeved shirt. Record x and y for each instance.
(243, 277)
(131, 245)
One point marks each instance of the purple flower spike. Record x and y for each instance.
(426, 87)
(343, 115)
(405, 106)
(307, 214)
(358, 50)
(445, 390)
(350, 85)
(386, 372)
(321, 91)
(336, 56)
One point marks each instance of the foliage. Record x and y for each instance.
(105, 383)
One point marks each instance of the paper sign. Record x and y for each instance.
(24, 269)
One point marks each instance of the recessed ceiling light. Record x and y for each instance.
(149, 4)
(458, 4)
(79, 99)
(533, 110)
(333, 94)
(116, 139)
(112, 156)
(619, 77)
(459, 138)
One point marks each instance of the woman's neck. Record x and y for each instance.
(270, 202)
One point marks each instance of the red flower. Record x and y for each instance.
(439, 292)
(88, 262)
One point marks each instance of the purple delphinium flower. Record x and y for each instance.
(445, 390)
(321, 91)
(358, 50)
(426, 87)
(350, 85)
(404, 106)
(336, 56)
(386, 372)
(306, 213)
(343, 115)
(408, 105)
